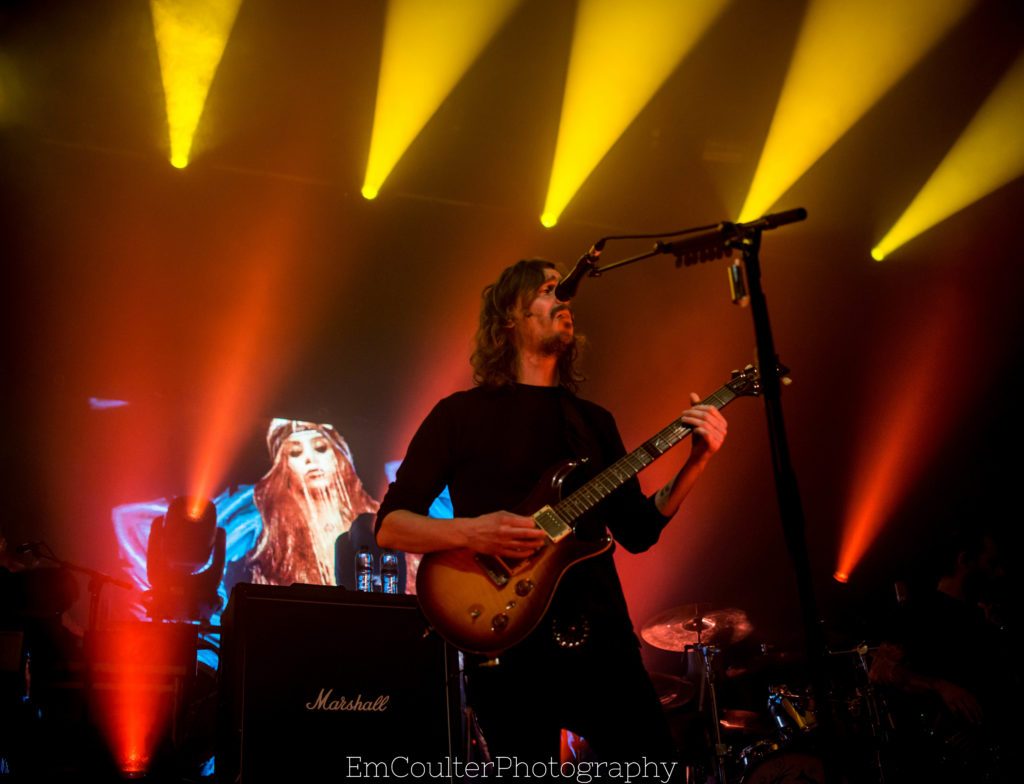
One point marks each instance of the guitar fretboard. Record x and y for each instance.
(573, 506)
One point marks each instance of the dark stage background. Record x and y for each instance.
(259, 269)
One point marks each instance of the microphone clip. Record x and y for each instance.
(566, 288)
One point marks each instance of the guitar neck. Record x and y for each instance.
(573, 506)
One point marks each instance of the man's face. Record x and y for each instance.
(311, 458)
(544, 325)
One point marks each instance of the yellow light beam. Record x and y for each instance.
(190, 39)
(847, 56)
(621, 54)
(988, 154)
(428, 46)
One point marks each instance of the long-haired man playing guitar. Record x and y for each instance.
(580, 667)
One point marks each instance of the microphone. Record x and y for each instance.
(566, 288)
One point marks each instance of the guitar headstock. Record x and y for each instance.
(748, 380)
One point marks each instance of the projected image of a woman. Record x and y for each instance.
(310, 496)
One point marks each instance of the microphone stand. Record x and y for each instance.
(746, 238)
(96, 579)
(788, 497)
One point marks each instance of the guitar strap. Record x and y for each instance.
(571, 627)
(583, 435)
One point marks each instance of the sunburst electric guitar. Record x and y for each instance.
(486, 604)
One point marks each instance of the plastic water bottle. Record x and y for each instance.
(364, 570)
(389, 571)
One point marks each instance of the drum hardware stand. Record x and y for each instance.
(875, 713)
(475, 743)
(720, 751)
(786, 716)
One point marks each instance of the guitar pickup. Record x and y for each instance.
(551, 524)
(495, 570)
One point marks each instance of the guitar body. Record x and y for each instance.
(486, 604)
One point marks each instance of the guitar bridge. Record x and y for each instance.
(551, 524)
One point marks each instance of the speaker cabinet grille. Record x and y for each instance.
(315, 680)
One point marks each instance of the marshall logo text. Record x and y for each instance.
(324, 702)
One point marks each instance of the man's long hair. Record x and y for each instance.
(495, 354)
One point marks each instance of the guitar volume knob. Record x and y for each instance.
(523, 587)
(499, 622)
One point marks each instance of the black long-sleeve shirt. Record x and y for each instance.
(491, 446)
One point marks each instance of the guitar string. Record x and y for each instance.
(572, 507)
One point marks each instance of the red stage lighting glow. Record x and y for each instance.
(904, 434)
(132, 698)
(250, 345)
(230, 402)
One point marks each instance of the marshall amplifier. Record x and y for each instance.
(317, 683)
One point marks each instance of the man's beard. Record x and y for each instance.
(556, 345)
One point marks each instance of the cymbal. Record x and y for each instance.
(743, 721)
(672, 690)
(674, 629)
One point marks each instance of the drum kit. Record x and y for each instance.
(773, 734)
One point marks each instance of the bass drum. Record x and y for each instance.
(777, 762)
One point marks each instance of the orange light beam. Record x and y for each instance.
(245, 362)
(132, 705)
(900, 443)
(230, 398)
